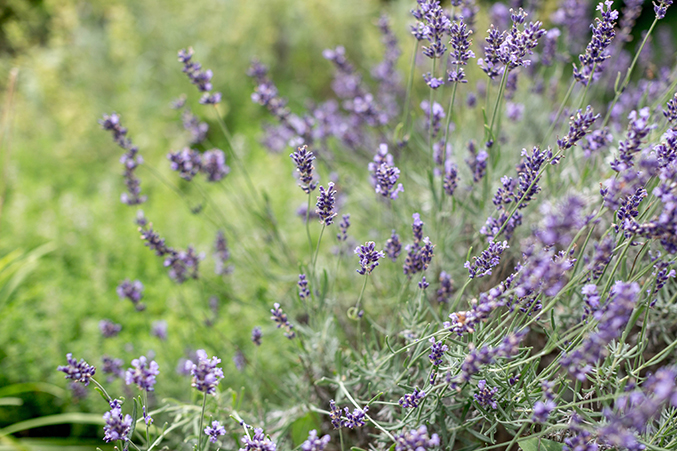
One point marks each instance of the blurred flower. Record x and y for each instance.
(108, 328)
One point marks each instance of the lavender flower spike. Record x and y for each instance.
(199, 77)
(460, 50)
(489, 258)
(313, 443)
(78, 371)
(303, 158)
(578, 128)
(257, 335)
(416, 440)
(117, 427)
(386, 178)
(393, 246)
(597, 50)
(281, 319)
(369, 257)
(206, 375)
(326, 204)
(215, 431)
(142, 374)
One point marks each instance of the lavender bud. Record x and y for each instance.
(78, 371)
(257, 335)
(326, 208)
(304, 292)
(142, 374)
(393, 246)
(412, 400)
(369, 257)
(485, 396)
(303, 158)
(281, 320)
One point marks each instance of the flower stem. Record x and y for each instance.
(202, 418)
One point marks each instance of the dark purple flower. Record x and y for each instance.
(78, 371)
(346, 418)
(159, 329)
(412, 400)
(108, 328)
(369, 257)
(393, 246)
(326, 204)
(334, 414)
(508, 347)
(142, 374)
(199, 77)
(437, 350)
(257, 335)
(386, 181)
(477, 162)
(303, 158)
(130, 159)
(612, 320)
(215, 431)
(578, 128)
(206, 375)
(671, 112)
(420, 253)
(433, 24)
(460, 50)
(113, 367)
(342, 236)
(485, 395)
(423, 284)
(186, 161)
(445, 290)
(638, 128)
(117, 427)
(661, 8)
(304, 292)
(662, 272)
(221, 255)
(214, 165)
(281, 320)
(315, 443)
(416, 440)
(183, 265)
(488, 259)
(597, 50)
(258, 442)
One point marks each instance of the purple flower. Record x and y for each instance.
(258, 442)
(326, 204)
(561, 222)
(612, 321)
(198, 130)
(303, 158)
(130, 159)
(108, 328)
(450, 177)
(343, 228)
(514, 111)
(604, 252)
(420, 253)
(596, 141)
(597, 50)
(393, 246)
(117, 427)
(662, 272)
(416, 440)
(485, 395)
(423, 284)
(215, 431)
(281, 320)
(446, 288)
(257, 335)
(486, 355)
(488, 259)
(113, 367)
(199, 77)
(334, 414)
(661, 8)
(412, 400)
(187, 162)
(386, 179)
(438, 115)
(303, 287)
(369, 257)
(314, 443)
(206, 375)
(214, 165)
(433, 82)
(132, 291)
(221, 255)
(78, 371)
(159, 329)
(638, 128)
(183, 265)
(477, 162)
(542, 411)
(437, 350)
(549, 46)
(142, 374)
(592, 299)
(460, 50)
(239, 360)
(671, 112)
(578, 127)
(433, 24)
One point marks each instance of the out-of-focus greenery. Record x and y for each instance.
(63, 177)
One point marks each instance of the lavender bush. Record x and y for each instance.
(532, 304)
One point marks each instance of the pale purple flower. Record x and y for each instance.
(281, 320)
(108, 328)
(416, 440)
(159, 329)
(142, 373)
(393, 246)
(315, 443)
(597, 50)
(485, 395)
(117, 427)
(413, 399)
(206, 375)
(215, 431)
(214, 165)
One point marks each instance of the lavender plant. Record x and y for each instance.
(560, 332)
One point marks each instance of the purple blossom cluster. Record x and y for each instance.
(597, 50)
(433, 24)
(108, 328)
(315, 443)
(304, 292)
(303, 158)
(612, 319)
(460, 52)
(326, 204)
(486, 355)
(258, 442)
(281, 320)
(215, 431)
(130, 159)
(386, 181)
(437, 350)
(132, 291)
(257, 334)
(202, 79)
(485, 395)
(393, 246)
(543, 408)
(638, 128)
(117, 427)
(488, 259)
(344, 225)
(206, 375)
(142, 374)
(181, 265)
(77, 371)
(189, 162)
(345, 418)
(579, 126)
(413, 399)
(197, 129)
(477, 162)
(369, 257)
(420, 253)
(416, 440)
(113, 367)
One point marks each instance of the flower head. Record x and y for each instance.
(215, 431)
(117, 427)
(326, 204)
(142, 374)
(78, 371)
(369, 257)
(206, 375)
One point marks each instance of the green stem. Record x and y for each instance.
(410, 82)
(202, 418)
(310, 241)
(317, 251)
